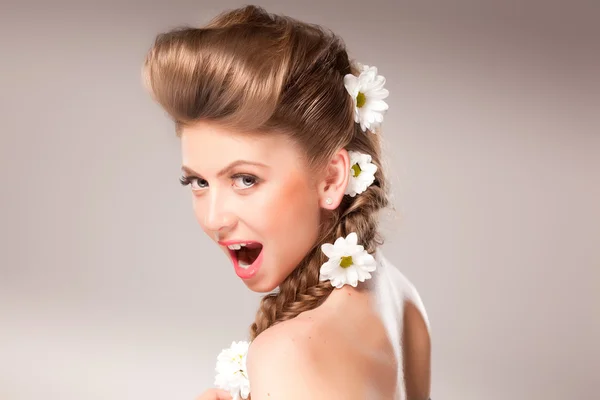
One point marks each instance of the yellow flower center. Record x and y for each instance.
(361, 99)
(346, 262)
(356, 170)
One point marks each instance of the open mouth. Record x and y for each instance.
(245, 253)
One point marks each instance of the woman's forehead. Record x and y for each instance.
(209, 146)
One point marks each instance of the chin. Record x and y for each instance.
(260, 284)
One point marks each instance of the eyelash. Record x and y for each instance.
(187, 180)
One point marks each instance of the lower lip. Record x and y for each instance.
(251, 270)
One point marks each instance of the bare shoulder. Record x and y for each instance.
(417, 353)
(300, 359)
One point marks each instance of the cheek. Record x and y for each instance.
(199, 206)
(293, 215)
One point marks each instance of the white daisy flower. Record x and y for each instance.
(232, 374)
(349, 263)
(368, 93)
(362, 173)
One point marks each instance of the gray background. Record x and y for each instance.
(109, 290)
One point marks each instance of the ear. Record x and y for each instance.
(335, 179)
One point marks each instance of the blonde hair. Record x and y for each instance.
(258, 72)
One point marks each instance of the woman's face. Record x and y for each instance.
(255, 197)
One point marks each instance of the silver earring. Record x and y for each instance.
(329, 201)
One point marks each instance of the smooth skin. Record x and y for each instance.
(258, 187)
(215, 394)
(253, 187)
(339, 350)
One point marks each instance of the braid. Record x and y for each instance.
(250, 70)
(302, 291)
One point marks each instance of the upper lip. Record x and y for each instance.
(230, 242)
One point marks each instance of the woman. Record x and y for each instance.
(281, 149)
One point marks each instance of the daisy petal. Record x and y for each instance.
(329, 250)
(352, 276)
(352, 239)
(334, 269)
(371, 85)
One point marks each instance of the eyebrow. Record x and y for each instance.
(227, 169)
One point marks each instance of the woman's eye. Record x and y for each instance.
(195, 183)
(198, 183)
(244, 181)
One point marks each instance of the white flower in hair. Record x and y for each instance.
(349, 263)
(362, 173)
(232, 374)
(368, 93)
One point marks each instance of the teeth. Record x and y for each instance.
(236, 246)
(243, 264)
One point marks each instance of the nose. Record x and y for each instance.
(217, 218)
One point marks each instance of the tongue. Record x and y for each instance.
(248, 255)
